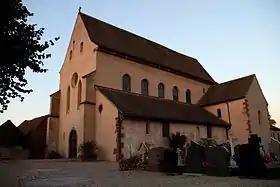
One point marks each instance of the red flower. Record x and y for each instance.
(206, 164)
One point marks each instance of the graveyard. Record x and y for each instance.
(205, 157)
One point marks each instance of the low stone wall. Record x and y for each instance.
(13, 153)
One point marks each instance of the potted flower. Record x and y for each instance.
(88, 151)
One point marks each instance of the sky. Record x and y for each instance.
(230, 39)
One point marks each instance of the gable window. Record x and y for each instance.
(126, 83)
(219, 113)
(145, 87)
(259, 117)
(273, 135)
(70, 55)
(175, 93)
(68, 100)
(278, 136)
(161, 90)
(188, 96)
(209, 132)
(147, 127)
(79, 94)
(203, 90)
(165, 129)
(81, 47)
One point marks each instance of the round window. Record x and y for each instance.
(74, 80)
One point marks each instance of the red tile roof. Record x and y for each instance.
(156, 109)
(29, 125)
(227, 91)
(119, 42)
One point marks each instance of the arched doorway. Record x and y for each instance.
(73, 144)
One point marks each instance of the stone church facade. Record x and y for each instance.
(120, 89)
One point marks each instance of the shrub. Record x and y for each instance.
(54, 155)
(88, 150)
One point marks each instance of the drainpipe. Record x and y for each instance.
(229, 121)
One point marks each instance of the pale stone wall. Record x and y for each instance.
(233, 112)
(81, 63)
(52, 133)
(113, 79)
(135, 133)
(257, 102)
(105, 127)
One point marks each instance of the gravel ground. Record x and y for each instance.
(39, 173)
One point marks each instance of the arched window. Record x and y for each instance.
(126, 83)
(79, 99)
(175, 93)
(259, 117)
(188, 96)
(68, 100)
(70, 55)
(197, 133)
(81, 47)
(161, 90)
(145, 87)
(219, 113)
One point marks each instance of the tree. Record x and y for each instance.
(22, 49)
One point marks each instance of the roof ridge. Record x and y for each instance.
(236, 79)
(142, 37)
(149, 96)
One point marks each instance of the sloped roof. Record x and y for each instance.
(227, 91)
(144, 51)
(29, 125)
(56, 94)
(152, 108)
(274, 128)
(10, 135)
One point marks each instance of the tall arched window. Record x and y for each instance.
(81, 47)
(259, 117)
(70, 55)
(145, 87)
(188, 96)
(219, 113)
(126, 83)
(79, 99)
(161, 90)
(175, 93)
(68, 100)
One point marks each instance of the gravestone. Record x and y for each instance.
(155, 158)
(194, 158)
(219, 158)
(250, 161)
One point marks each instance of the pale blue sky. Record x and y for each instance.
(231, 39)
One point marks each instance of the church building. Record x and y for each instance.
(120, 89)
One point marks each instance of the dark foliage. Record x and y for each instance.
(21, 50)
(177, 141)
(54, 155)
(88, 150)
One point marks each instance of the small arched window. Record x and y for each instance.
(175, 93)
(70, 55)
(188, 96)
(79, 99)
(81, 47)
(68, 100)
(126, 83)
(219, 113)
(145, 87)
(161, 90)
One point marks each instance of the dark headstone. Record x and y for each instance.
(194, 159)
(219, 158)
(250, 161)
(155, 158)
